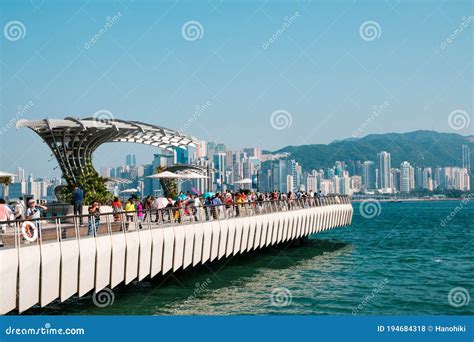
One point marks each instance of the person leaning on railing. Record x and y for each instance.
(33, 212)
(129, 210)
(94, 218)
(117, 209)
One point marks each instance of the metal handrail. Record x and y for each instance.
(164, 217)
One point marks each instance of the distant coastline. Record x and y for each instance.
(415, 199)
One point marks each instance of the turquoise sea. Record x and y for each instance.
(403, 261)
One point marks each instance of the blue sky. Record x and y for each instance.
(320, 69)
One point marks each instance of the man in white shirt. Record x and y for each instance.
(34, 210)
(20, 209)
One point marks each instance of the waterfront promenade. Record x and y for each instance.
(55, 258)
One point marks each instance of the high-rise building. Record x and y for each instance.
(210, 149)
(20, 175)
(253, 152)
(279, 175)
(326, 186)
(345, 185)
(16, 190)
(356, 183)
(201, 149)
(368, 175)
(406, 171)
(220, 167)
(466, 158)
(396, 179)
(427, 179)
(229, 159)
(384, 166)
(418, 177)
(181, 156)
(454, 178)
(131, 160)
(220, 148)
(311, 183)
(338, 168)
(290, 182)
(106, 172)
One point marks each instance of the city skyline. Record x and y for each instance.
(143, 153)
(282, 174)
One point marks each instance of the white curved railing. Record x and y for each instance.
(57, 257)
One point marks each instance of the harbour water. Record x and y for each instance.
(403, 261)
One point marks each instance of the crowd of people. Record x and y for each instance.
(19, 211)
(205, 206)
(186, 205)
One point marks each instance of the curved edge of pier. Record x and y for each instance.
(39, 273)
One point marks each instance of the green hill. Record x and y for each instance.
(420, 148)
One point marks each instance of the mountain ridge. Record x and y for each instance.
(421, 148)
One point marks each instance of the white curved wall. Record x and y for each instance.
(207, 241)
(216, 230)
(144, 261)
(61, 269)
(50, 272)
(245, 234)
(198, 242)
(224, 230)
(69, 268)
(131, 255)
(188, 245)
(8, 275)
(168, 249)
(178, 255)
(87, 255)
(230, 237)
(103, 262)
(238, 234)
(117, 272)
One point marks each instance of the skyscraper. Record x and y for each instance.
(466, 158)
(405, 177)
(220, 167)
(368, 175)
(131, 160)
(384, 166)
(427, 179)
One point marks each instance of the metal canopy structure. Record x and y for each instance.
(183, 169)
(73, 141)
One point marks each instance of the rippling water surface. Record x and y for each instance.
(402, 261)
